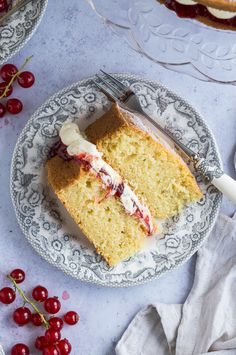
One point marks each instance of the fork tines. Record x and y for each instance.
(110, 86)
(119, 84)
(105, 91)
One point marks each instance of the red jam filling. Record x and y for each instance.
(60, 149)
(193, 11)
(115, 190)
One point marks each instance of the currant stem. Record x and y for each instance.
(27, 300)
(15, 76)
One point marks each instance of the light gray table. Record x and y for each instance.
(70, 44)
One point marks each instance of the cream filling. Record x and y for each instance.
(128, 197)
(72, 137)
(186, 2)
(221, 14)
(85, 151)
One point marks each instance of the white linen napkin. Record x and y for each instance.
(206, 322)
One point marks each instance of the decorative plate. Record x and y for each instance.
(47, 225)
(19, 28)
(183, 45)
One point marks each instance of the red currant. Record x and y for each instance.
(18, 275)
(36, 319)
(71, 318)
(40, 293)
(52, 305)
(55, 323)
(3, 86)
(3, 5)
(7, 71)
(20, 349)
(52, 336)
(7, 295)
(26, 79)
(41, 343)
(2, 110)
(22, 315)
(64, 347)
(14, 106)
(51, 350)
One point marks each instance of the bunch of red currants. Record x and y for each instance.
(10, 74)
(50, 343)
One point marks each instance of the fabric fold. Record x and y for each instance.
(206, 322)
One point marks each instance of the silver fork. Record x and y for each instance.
(118, 92)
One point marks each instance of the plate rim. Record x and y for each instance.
(77, 276)
(29, 36)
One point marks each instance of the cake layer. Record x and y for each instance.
(157, 176)
(220, 11)
(211, 16)
(115, 234)
(226, 5)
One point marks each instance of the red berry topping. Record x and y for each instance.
(55, 323)
(71, 318)
(52, 305)
(3, 5)
(26, 79)
(14, 106)
(7, 295)
(20, 349)
(18, 275)
(40, 293)
(36, 319)
(64, 347)
(41, 343)
(2, 110)
(22, 315)
(7, 71)
(52, 336)
(51, 350)
(3, 86)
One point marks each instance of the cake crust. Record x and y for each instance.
(108, 124)
(208, 22)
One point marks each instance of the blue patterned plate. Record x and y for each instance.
(19, 28)
(47, 225)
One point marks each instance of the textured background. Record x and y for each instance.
(72, 43)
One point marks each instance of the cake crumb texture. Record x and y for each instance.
(115, 234)
(157, 175)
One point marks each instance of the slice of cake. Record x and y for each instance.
(156, 174)
(99, 200)
(217, 13)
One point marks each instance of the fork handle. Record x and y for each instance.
(227, 186)
(223, 182)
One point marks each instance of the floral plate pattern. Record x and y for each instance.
(179, 44)
(47, 225)
(19, 28)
